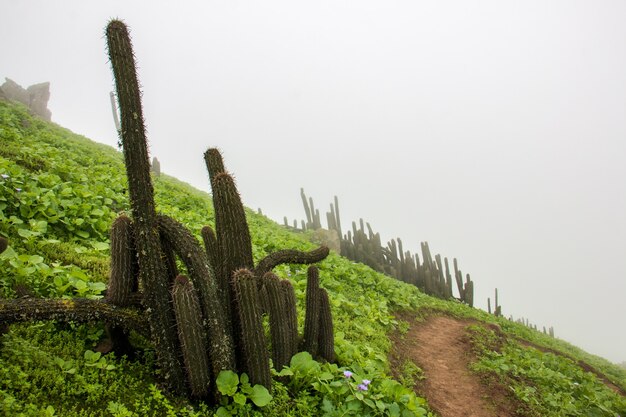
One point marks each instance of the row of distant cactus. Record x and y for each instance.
(433, 276)
(524, 321)
(207, 318)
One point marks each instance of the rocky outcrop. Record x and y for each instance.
(35, 97)
(328, 238)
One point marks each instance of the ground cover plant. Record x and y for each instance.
(549, 384)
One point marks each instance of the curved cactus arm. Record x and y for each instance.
(289, 256)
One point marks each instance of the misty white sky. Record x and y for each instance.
(494, 130)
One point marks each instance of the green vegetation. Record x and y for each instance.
(59, 195)
(551, 385)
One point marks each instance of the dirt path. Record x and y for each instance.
(440, 347)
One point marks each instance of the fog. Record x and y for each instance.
(494, 130)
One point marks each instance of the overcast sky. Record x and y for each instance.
(494, 130)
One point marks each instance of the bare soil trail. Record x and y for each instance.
(441, 348)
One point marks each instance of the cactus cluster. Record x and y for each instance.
(361, 244)
(497, 310)
(212, 318)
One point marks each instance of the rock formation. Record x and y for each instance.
(35, 97)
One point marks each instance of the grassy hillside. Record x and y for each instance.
(59, 193)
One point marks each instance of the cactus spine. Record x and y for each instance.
(152, 271)
(192, 336)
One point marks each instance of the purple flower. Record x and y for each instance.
(347, 374)
(362, 387)
(5, 176)
(366, 382)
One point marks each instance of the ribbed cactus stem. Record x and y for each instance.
(210, 246)
(169, 258)
(233, 236)
(326, 338)
(279, 322)
(152, 271)
(123, 282)
(192, 336)
(291, 313)
(312, 315)
(221, 345)
(256, 360)
(123, 279)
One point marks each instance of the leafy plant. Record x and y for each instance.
(238, 394)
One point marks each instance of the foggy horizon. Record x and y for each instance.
(495, 131)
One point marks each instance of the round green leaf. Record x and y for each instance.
(260, 396)
(227, 382)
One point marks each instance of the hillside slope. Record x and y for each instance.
(59, 193)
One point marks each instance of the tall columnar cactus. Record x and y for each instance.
(337, 218)
(289, 298)
(468, 291)
(221, 345)
(233, 240)
(307, 209)
(282, 348)
(326, 338)
(255, 361)
(192, 336)
(459, 280)
(312, 315)
(152, 271)
(122, 281)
